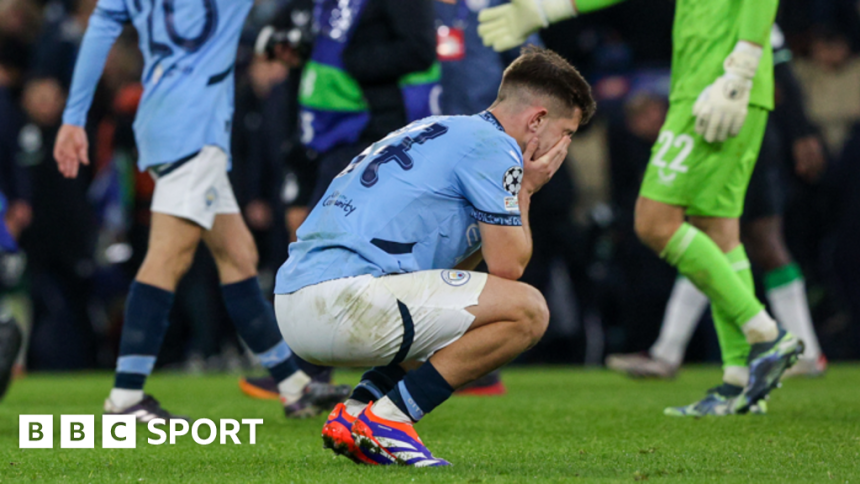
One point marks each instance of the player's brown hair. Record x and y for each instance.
(543, 72)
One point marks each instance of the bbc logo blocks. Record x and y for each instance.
(120, 431)
(76, 431)
(36, 431)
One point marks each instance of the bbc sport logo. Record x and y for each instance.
(120, 431)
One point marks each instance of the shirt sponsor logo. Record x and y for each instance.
(455, 278)
(341, 202)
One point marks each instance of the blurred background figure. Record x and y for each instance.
(372, 70)
(14, 177)
(831, 80)
(11, 337)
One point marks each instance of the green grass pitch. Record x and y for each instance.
(555, 425)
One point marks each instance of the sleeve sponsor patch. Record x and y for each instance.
(494, 219)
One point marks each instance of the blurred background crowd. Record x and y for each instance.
(82, 240)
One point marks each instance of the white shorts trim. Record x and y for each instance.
(356, 321)
(198, 190)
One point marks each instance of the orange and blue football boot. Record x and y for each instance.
(387, 442)
(337, 436)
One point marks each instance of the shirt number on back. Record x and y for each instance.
(398, 153)
(192, 44)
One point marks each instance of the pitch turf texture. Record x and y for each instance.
(555, 425)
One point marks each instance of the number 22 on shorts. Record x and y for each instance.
(668, 170)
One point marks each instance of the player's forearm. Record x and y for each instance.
(506, 249)
(525, 200)
(756, 20)
(102, 31)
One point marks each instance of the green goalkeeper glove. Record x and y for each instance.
(508, 26)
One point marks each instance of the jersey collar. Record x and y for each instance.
(490, 118)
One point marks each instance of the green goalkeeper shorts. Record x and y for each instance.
(708, 179)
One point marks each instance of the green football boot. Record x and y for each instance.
(719, 401)
(767, 362)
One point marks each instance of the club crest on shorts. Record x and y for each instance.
(211, 197)
(513, 180)
(455, 278)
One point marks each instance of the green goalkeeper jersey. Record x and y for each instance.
(705, 33)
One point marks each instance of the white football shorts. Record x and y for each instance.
(367, 321)
(197, 189)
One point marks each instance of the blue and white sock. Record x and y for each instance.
(146, 320)
(416, 395)
(374, 385)
(255, 321)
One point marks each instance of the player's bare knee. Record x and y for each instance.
(238, 256)
(535, 314)
(244, 260)
(651, 232)
(246, 257)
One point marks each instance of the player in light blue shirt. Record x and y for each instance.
(189, 50)
(182, 131)
(410, 202)
(381, 273)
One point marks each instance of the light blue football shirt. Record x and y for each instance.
(410, 202)
(189, 49)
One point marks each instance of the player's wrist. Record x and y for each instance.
(70, 119)
(744, 60)
(525, 193)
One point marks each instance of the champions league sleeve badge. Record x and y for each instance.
(455, 278)
(513, 180)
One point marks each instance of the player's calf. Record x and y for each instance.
(655, 222)
(232, 247)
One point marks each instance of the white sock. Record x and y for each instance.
(683, 312)
(736, 375)
(292, 387)
(354, 407)
(386, 409)
(122, 398)
(791, 308)
(760, 328)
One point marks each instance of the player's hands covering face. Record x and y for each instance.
(538, 171)
(71, 149)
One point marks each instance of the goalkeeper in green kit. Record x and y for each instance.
(693, 191)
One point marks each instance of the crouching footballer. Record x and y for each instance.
(380, 275)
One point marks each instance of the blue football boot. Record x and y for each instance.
(767, 362)
(387, 442)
